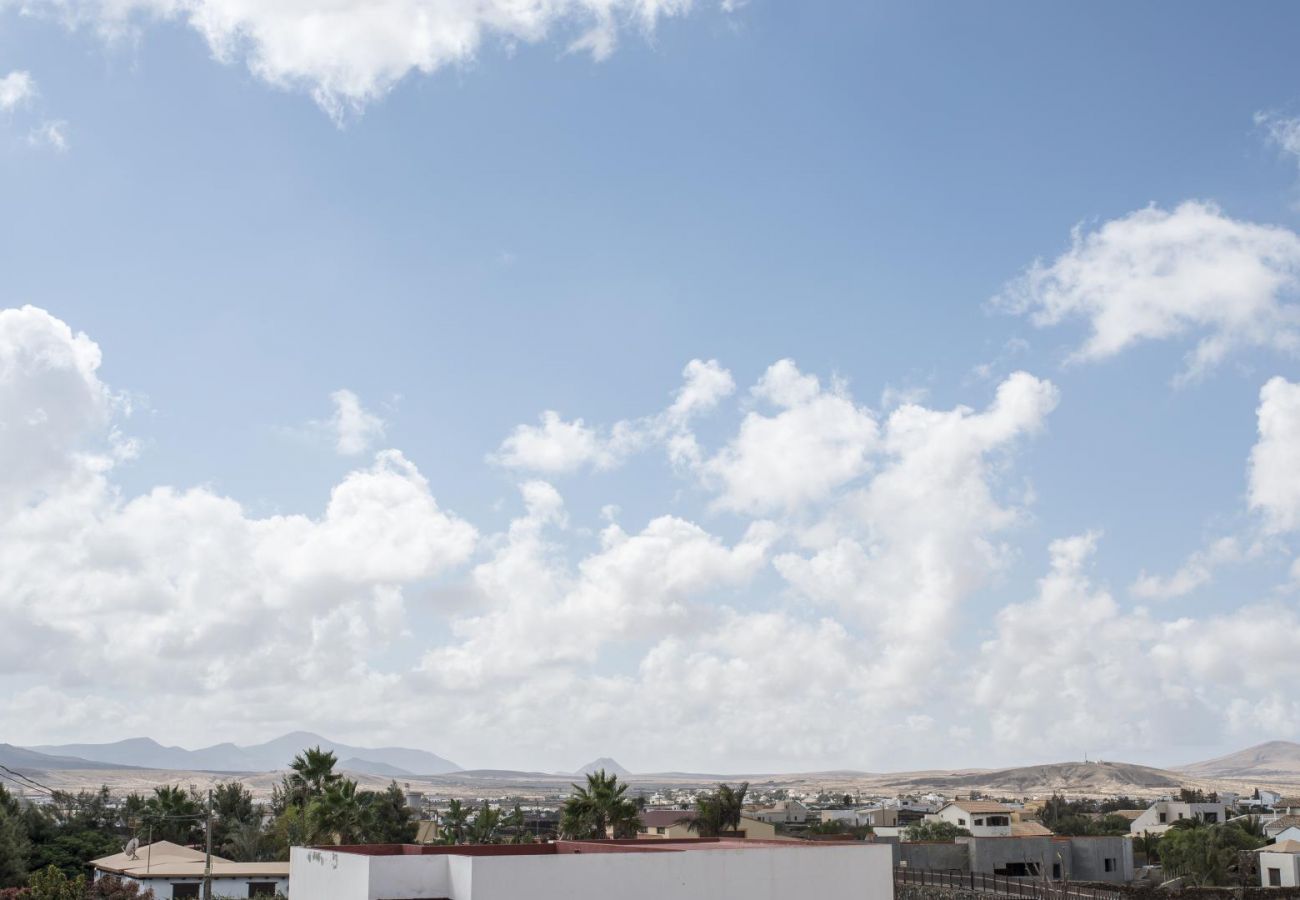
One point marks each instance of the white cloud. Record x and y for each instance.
(903, 551)
(52, 134)
(1196, 572)
(16, 89)
(1282, 131)
(1157, 275)
(348, 53)
(1072, 659)
(808, 639)
(557, 446)
(818, 441)
(355, 428)
(1275, 458)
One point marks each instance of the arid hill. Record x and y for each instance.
(1273, 760)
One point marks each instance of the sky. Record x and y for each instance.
(716, 386)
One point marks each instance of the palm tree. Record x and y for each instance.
(454, 823)
(597, 808)
(719, 812)
(312, 772)
(246, 841)
(486, 824)
(518, 826)
(338, 814)
(172, 814)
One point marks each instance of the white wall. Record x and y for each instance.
(1289, 863)
(861, 872)
(221, 887)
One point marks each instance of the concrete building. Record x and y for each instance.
(982, 818)
(784, 812)
(1275, 827)
(1164, 813)
(1039, 857)
(1279, 864)
(699, 869)
(671, 823)
(173, 872)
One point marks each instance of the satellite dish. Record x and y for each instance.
(130, 848)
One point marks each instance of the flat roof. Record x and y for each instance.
(557, 848)
(163, 859)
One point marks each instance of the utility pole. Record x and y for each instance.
(207, 858)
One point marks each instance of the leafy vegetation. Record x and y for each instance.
(599, 807)
(935, 831)
(1207, 854)
(718, 813)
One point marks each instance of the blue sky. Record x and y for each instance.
(528, 228)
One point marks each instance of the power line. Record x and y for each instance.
(31, 782)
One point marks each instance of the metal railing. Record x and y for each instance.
(1002, 885)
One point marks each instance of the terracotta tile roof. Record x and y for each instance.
(1030, 829)
(1281, 847)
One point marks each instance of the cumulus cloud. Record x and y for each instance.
(817, 440)
(354, 427)
(1156, 275)
(557, 446)
(182, 593)
(793, 633)
(905, 549)
(16, 89)
(349, 53)
(1106, 676)
(1275, 458)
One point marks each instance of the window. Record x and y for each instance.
(961, 822)
(1108, 864)
(185, 890)
(1056, 871)
(1164, 817)
(979, 821)
(261, 889)
(1211, 817)
(1274, 877)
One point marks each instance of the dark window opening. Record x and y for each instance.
(1274, 877)
(1019, 870)
(261, 888)
(1108, 864)
(1210, 817)
(1164, 818)
(185, 890)
(1056, 871)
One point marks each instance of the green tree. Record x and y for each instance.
(936, 830)
(173, 814)
(111, 887)
(390, 820)
(455, 823)
(599, 806)
(1205, 854)
(486, 826)
(718, 812)
(517, 825)
(52, 884)
(338, 815)
(247, 841)
(312, 771)
(14, 846)
(289, 829)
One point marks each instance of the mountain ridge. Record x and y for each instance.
(277, 753)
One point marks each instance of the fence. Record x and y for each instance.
(1001, 885)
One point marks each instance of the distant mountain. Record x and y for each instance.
(28, 761)
(369, 767)
(1275, 759)
(610, 766)
(274, 754)
(1098, 778)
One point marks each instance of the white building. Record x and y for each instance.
(982, 818)
(1279, 864)
(701, 869)
(173, 872)
(1162, 814)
